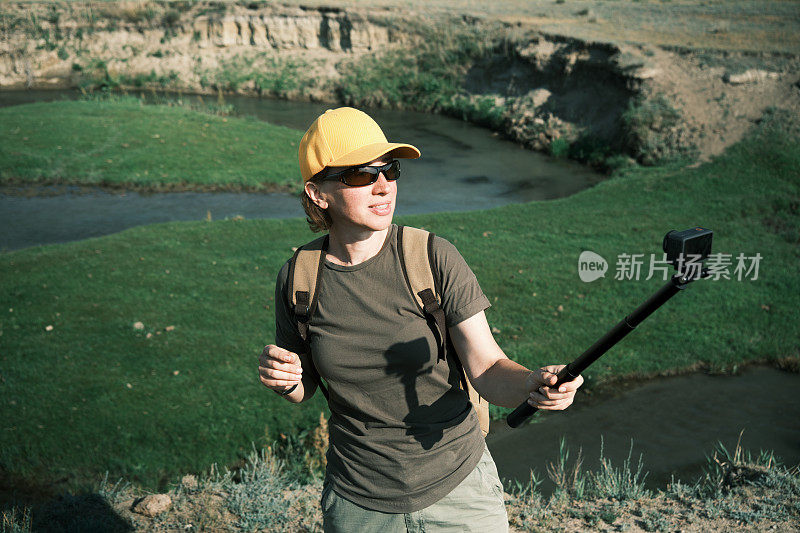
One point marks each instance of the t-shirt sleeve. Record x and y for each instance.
(462, 295)
(286, 334)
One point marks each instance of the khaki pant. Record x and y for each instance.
(474, 505)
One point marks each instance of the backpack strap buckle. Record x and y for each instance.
(302, 308)
(432, 308)
(302, 312)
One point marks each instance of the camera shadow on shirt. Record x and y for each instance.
(433, 398)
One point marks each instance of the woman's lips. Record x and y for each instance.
(381, 209)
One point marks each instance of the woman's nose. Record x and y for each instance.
(381, 185)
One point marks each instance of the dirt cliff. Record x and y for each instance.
(601, 101)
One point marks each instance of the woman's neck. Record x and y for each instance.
(349, 247)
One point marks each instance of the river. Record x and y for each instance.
(671, 422)
(462, 168)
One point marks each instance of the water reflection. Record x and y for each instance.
(79, 213)
(673, 422)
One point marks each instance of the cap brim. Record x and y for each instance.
(371, 152)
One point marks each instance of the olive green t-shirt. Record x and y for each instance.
(402, 432)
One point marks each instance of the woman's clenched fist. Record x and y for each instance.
(279, 369)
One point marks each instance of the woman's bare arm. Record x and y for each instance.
(500, 380)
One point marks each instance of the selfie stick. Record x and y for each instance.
(616, 334)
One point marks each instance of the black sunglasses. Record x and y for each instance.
(362, 175)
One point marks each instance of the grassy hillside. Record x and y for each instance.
(122, 142)
(85, 389)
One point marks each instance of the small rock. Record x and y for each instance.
(646, 73)
(540, 96)
(152, 504)
(189, 481)
(749, 76)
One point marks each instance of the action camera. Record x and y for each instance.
(693, 243)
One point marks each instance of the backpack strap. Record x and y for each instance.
(422, 277)
(415, 259)
(305, 278)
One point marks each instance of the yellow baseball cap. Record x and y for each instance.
(346, 137)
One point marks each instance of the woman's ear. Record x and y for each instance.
(316, 195)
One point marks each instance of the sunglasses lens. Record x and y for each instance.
(393, 172)
(358, 177)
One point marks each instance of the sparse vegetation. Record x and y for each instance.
(171, 17)
(569, 480)
(98, 77)
(619, 483)
(559, 147)
(651, 127)
(263, 493)
(15, 520)
(429, 77)
(269, 75)
(746, 500)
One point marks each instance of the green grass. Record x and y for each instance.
(125, 143)
(94, 394)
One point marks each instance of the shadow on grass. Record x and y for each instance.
(86, 512)
(28, 505)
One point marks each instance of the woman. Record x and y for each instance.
(406, 452)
